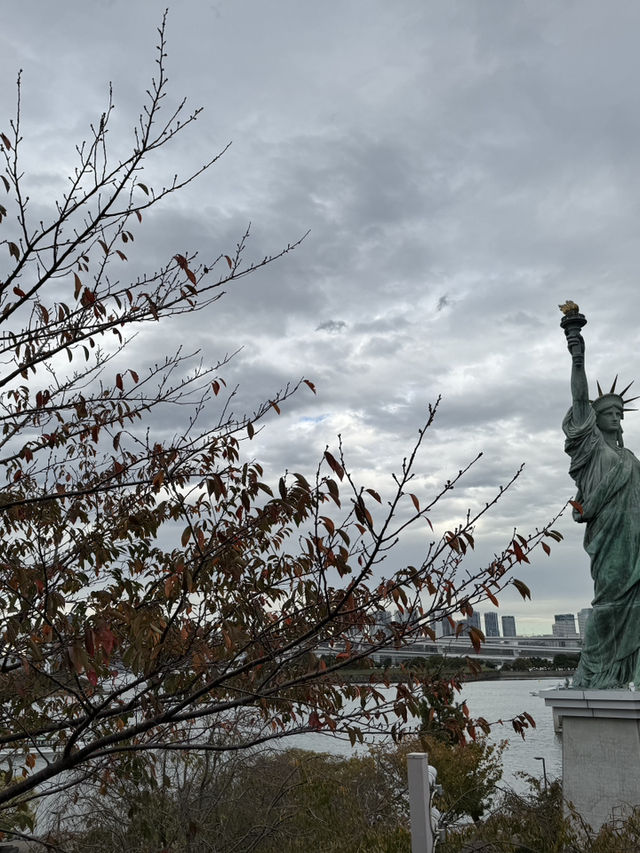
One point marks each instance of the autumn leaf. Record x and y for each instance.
(335, 466)
(477, 637)
(314, 720)
(491, 596)
(522, 588)
(521, 557)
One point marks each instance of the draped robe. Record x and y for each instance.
(608, 481)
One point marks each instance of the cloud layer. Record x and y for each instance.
(461, 168)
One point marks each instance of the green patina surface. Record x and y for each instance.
(608, 479)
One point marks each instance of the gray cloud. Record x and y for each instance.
(332, 326)
(476, 158)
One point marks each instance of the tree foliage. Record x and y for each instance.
(154, 588)
(265, 801)
(540, 821)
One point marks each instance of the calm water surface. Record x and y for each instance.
(495, 700)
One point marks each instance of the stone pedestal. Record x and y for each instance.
(600, 751)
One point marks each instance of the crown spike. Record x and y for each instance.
(613, 387)
(600, 391)
(631, 399)
(622, 393)
(630, 410)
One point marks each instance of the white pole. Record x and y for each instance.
(420, 803)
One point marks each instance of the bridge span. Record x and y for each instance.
(500, 649)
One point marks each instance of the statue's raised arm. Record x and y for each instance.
(572, 322)
(607, 503)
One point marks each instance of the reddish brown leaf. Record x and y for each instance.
(75, 658)
(521, 557)
(477, 637)
(5, 141)
(106, 638)
(314, 720)
(491, 596)
(335, 466)
(89, 641)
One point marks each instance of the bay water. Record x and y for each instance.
(495, 701)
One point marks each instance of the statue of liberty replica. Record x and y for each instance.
(608, 479)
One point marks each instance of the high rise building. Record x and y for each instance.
(447, 630)
(564, 625)
(473, 621)
(508, 626)
(383, 621)
(583, 617)
(491, 625)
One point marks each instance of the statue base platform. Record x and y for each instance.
(600, 751)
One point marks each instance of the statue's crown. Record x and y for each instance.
(603, 400)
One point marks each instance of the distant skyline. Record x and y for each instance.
(462, 169)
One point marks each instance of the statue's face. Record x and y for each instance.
(608, 419)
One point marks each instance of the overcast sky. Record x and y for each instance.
(463, 168)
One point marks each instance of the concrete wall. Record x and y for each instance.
(600, 751)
